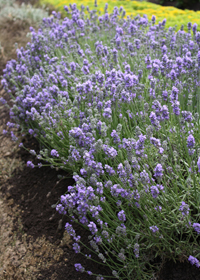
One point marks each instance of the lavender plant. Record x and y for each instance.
(116, 101)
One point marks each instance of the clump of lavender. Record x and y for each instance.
(116, 102)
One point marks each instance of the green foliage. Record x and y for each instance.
(12, 11)
(7, 3)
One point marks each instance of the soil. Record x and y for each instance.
(33, 242)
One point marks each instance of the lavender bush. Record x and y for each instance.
(116, 101)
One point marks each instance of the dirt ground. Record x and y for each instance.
(33, 243)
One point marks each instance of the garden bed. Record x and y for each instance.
(34, 244)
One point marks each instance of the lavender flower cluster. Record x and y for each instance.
(117, 102)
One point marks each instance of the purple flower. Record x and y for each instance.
(70, 230)
(92, 227)
(76, 248)
(66, 8)
(107, 113)
(75, 155)
(30, 164)
(32, 152)
(154, 120)
(115, 136)
(115, 190)
(136, 250)
(173, 75)
(198, 164)
(148, 61)
(193, 261)
(187, 116)
(174, 94)
(158, 171)
(165, 112)
(54, 153)
(179, 61)
(88, 86)
(130, 80)
(139, 147)
(164, 22)
(109, 169)
(158, 208)
(80, 23)
(83, 172)
(73, 66)
(190, 141)
(79, 267)
(153, 19)
(155, 142)
(122, 257)
(176, 109)
(3, 101)
(191, 151)
(31, 131)
(137, 43)
(157, 106)
(61, 209)
(110, 151)
(184, 208)
(196, 227)
(154, 229)
(121, 216)
(154, 191)
(13, 137)
(194, 28)
(189, 25)
(85, 70)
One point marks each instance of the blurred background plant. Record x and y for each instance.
(24, 12)
(4, 3)
(174, 16)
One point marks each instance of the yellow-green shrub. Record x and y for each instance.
(173, 15)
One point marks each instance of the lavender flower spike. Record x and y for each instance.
(158, 171)
(79, 267)
(190, 141)
(30, 164)
(121, 216)
(54, 153)
(154, 229)
(184, 208)
(198, 164)
(196, 227)
(193, 261)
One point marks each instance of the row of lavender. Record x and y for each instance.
(117, 102)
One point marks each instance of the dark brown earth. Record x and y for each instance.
(186, 4)
(33, 242)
